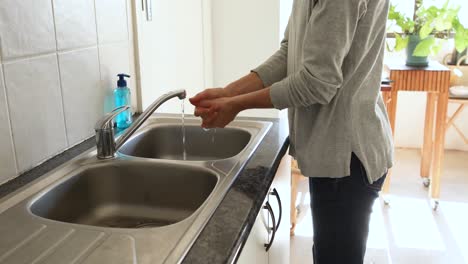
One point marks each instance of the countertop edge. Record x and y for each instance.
(242, 239)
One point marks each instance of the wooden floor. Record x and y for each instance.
(407, 231)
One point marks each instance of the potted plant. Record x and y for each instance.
(427, 31)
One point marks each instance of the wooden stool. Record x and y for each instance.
(462, 102)
(296, 177)
(386, 90)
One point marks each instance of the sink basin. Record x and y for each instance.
(127, 195)
(91, 211)
(165, 142)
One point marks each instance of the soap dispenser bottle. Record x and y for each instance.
(122, 98)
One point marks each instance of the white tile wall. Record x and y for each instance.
(56, 74)
(26, 28)
(83, 97)
(7, 159)
(75, 23)
(111, 20)
(36, 111)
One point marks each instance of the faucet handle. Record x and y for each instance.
(106, 121)
(105, 134)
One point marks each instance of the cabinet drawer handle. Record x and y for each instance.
(267, 206)
(149, 10)
(275, 193)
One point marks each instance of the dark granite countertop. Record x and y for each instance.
(230, 225)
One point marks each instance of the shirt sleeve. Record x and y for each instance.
(275, 68)
(328, 38)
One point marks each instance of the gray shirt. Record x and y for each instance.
(327, 73)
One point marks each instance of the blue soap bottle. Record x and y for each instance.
(121, 98)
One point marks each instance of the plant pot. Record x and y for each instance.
(414, 61)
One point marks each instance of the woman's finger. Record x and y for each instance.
(200, 111)
(209, 120)
(197, 98)
(207, 94)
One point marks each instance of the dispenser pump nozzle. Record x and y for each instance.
(122, 82)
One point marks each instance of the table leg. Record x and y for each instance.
(386, 96)
(428, 135)
(293, 212)
(439, 145)
(391, 109)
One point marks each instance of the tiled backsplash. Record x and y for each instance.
(59, 60)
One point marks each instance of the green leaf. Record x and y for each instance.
(437, 47)
(432, 11)
(388, 47)
(461, 36)
(442, 24)
(426, 30)
(405, 23)
(446, 4)
(457, 26)
(392, 13)
(400, 42)
(461, 40)
(423, 49)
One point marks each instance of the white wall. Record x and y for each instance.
(199, 44)
(245, 33)
(57, 69)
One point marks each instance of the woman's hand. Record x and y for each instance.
(209, 94)
(219, 106)
(217, 112)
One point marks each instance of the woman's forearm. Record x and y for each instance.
(256, 99)
(247, 84)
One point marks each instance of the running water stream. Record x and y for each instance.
(184, 153)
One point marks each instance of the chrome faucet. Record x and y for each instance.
(105, 142)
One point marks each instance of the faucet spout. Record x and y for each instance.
(182, 95)
(106, 149)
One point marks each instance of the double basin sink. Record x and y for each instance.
(150, 202)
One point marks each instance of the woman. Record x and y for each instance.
(327, 74)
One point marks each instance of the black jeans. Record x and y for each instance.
(341, 211)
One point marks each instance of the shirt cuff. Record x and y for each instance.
(279, 95)
(265, 74)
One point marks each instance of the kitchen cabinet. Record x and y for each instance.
(173, 41)
(268, 241)
(254, 249)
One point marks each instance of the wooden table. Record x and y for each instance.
(434, 80)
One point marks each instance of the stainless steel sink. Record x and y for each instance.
(165, 142)
(128, 195)
(145, 205)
